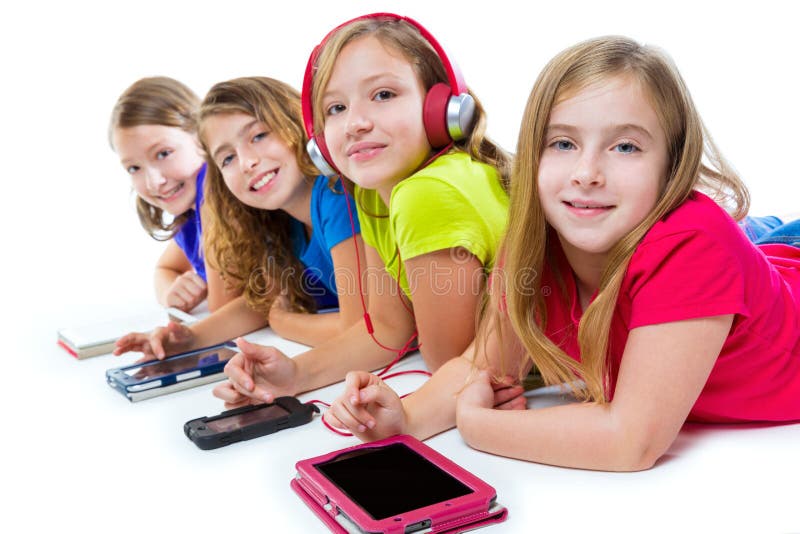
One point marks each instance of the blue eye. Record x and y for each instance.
(163, 154)
(626, 148)
(258, 137)
(563, 144)
(384, 94)
(335, 109)
(225, 161)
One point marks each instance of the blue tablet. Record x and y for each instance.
(158, 377)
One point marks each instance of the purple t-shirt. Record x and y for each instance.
(189, 237)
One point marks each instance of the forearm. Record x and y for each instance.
(310, 329)
(232, 320)
(584, 436)
(351, 350)
(432, 408)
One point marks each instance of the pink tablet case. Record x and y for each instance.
(456, 515)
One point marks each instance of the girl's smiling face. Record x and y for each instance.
(163, 162)
(373, 115)
(603, 165)
(258, 167)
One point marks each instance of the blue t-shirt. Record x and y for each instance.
(330, 224)
(189, 237)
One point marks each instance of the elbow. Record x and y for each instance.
(638, 452)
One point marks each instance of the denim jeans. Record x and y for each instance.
(770, 229)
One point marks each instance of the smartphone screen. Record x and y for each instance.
(176, 365)
(391, 480)
(235, 422)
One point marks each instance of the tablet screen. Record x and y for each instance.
(391, 480)
(179, 364)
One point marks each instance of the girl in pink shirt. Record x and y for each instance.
(623, 278)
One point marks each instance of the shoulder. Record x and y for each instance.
(455, 177)
(700, 220)
(692, 263)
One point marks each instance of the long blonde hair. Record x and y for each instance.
(405, 39)
(158, 101)
(527, 244)
(252, 247)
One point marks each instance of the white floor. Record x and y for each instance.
(76, 455)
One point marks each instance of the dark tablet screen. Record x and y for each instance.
(235, 422)
(391, 480)
(179, 364)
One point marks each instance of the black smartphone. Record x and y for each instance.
(248, 422)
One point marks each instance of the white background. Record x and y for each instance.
(73, 251)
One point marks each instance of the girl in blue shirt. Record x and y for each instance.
(154, 132)
(277, 234)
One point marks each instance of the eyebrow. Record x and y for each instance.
(240, 133)
(617, 128)
(369, 80)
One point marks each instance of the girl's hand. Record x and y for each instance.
(257, 374)
(368, 408)
(483, 392)
(508, 394)
(160, 343)
(186, 291)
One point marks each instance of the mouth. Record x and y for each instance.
(585, 207)
(170, 195)
(263, 179)
(364, 150)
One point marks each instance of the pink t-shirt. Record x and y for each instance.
(696, 262)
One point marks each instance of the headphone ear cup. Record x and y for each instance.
(447, 116)
(434, 115)
(320, 156)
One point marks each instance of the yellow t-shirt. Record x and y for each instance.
(453, 202)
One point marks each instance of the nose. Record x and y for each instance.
(154, 179)
(358, 120)
(248, 159)
(588, 171)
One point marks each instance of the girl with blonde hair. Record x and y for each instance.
(623, 277)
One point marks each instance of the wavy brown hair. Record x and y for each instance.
(252, 247)
(159, 101)
(527, 244)
(405, 39)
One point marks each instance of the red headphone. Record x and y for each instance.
(447, 112)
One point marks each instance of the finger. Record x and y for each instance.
(236, 374)
(332, 420)
(196, 280)
(183, 293)
(226, 392)
(354, 381)
(193, 288)
(507, 394)
(380, 394)
(156, 345)
(517, 403)
(175, 301)
(353, 418)
(261, 354)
